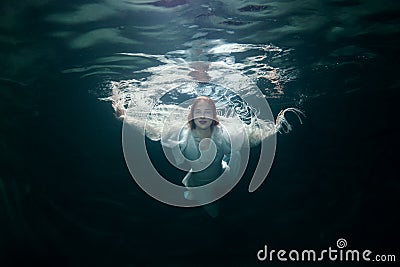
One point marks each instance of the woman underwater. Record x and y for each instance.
(206, 145)
(198, 138)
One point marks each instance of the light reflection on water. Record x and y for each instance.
(201, 61)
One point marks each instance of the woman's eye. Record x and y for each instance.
(203, 113)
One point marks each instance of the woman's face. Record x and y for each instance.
(203, 115)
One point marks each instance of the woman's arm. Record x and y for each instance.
(139, 125)
(282, 125)
(260, 130)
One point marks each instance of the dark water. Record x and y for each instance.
(66, 195)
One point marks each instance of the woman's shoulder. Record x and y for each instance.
(175, 135)
(220, 134)
(224, 131)
(218, 130)
(231, 136)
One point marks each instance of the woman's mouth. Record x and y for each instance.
(202, 122)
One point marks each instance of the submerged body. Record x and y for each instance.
(205, 145)
(209, 157)
(208, 161)
(193, 151)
